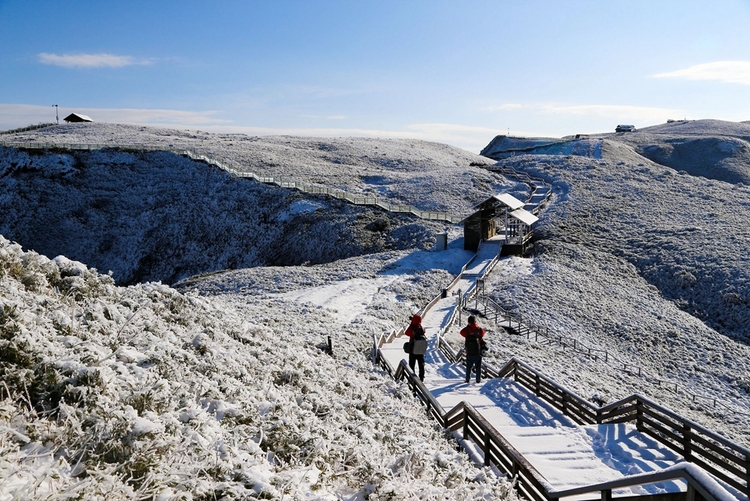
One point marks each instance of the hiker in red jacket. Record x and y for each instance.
(473, 347)
(418, 344)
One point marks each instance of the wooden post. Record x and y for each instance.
(639, 415)
(487, 458)
(690, 494)
(687, 435)
(459, 306)
(607, 495)
(466, 424)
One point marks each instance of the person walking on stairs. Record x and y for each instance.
(473, 347)
(418, 342)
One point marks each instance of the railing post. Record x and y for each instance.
(607, 495)
(487, 458)
(690, 494)
(466, 424)
(687, 435)
(638, 414)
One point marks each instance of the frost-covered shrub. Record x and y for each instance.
(142, 392)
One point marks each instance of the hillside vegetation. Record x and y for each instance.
(219, 388)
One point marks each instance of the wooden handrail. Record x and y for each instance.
(730, 463)
(433, 406)
(530, 483)
(715, 453)
(695, 479)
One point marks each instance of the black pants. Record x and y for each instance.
(413, 359)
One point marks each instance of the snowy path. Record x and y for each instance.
(567, 454)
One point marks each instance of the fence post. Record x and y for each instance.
(466, 424)
(487, 458)
(639, 414)
(690, 494)
(687, 435)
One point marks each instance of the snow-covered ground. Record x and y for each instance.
(647, 261)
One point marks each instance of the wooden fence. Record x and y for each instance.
(530, 484)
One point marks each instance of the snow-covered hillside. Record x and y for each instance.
(643, 259)
(146, 393)
(160, 216)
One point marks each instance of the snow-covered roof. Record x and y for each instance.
(77, 117)
(524, 216)
(505, 199)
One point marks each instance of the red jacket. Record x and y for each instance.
(473, 349)
(416, 319)
(472, 328)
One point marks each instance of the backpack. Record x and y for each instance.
(418, 340)
(473, 343)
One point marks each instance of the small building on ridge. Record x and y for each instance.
(77, 118)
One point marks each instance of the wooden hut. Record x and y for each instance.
(77, 118)
(500, 217)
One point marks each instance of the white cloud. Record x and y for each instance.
(644, 113)
(177, 118)
(329, 117)
(90, 60)
(505, 106)
(610, 111)
(722, 71)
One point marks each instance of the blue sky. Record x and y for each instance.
(458, 72)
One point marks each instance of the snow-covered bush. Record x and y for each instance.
(144, 392)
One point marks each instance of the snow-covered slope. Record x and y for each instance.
(645, 260)
(160, 216)
(649, 262)
(146, 393)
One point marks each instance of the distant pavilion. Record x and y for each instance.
(500, 217)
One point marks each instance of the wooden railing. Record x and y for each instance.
(529, 483)
(434, 409)
(519, 325)
(712, 452)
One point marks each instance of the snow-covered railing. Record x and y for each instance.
(717, 455)
(498, 452)
(434, 409)
(491, 310)
(377, 343)
(541, 191)
(697, 483)
(712, 452)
